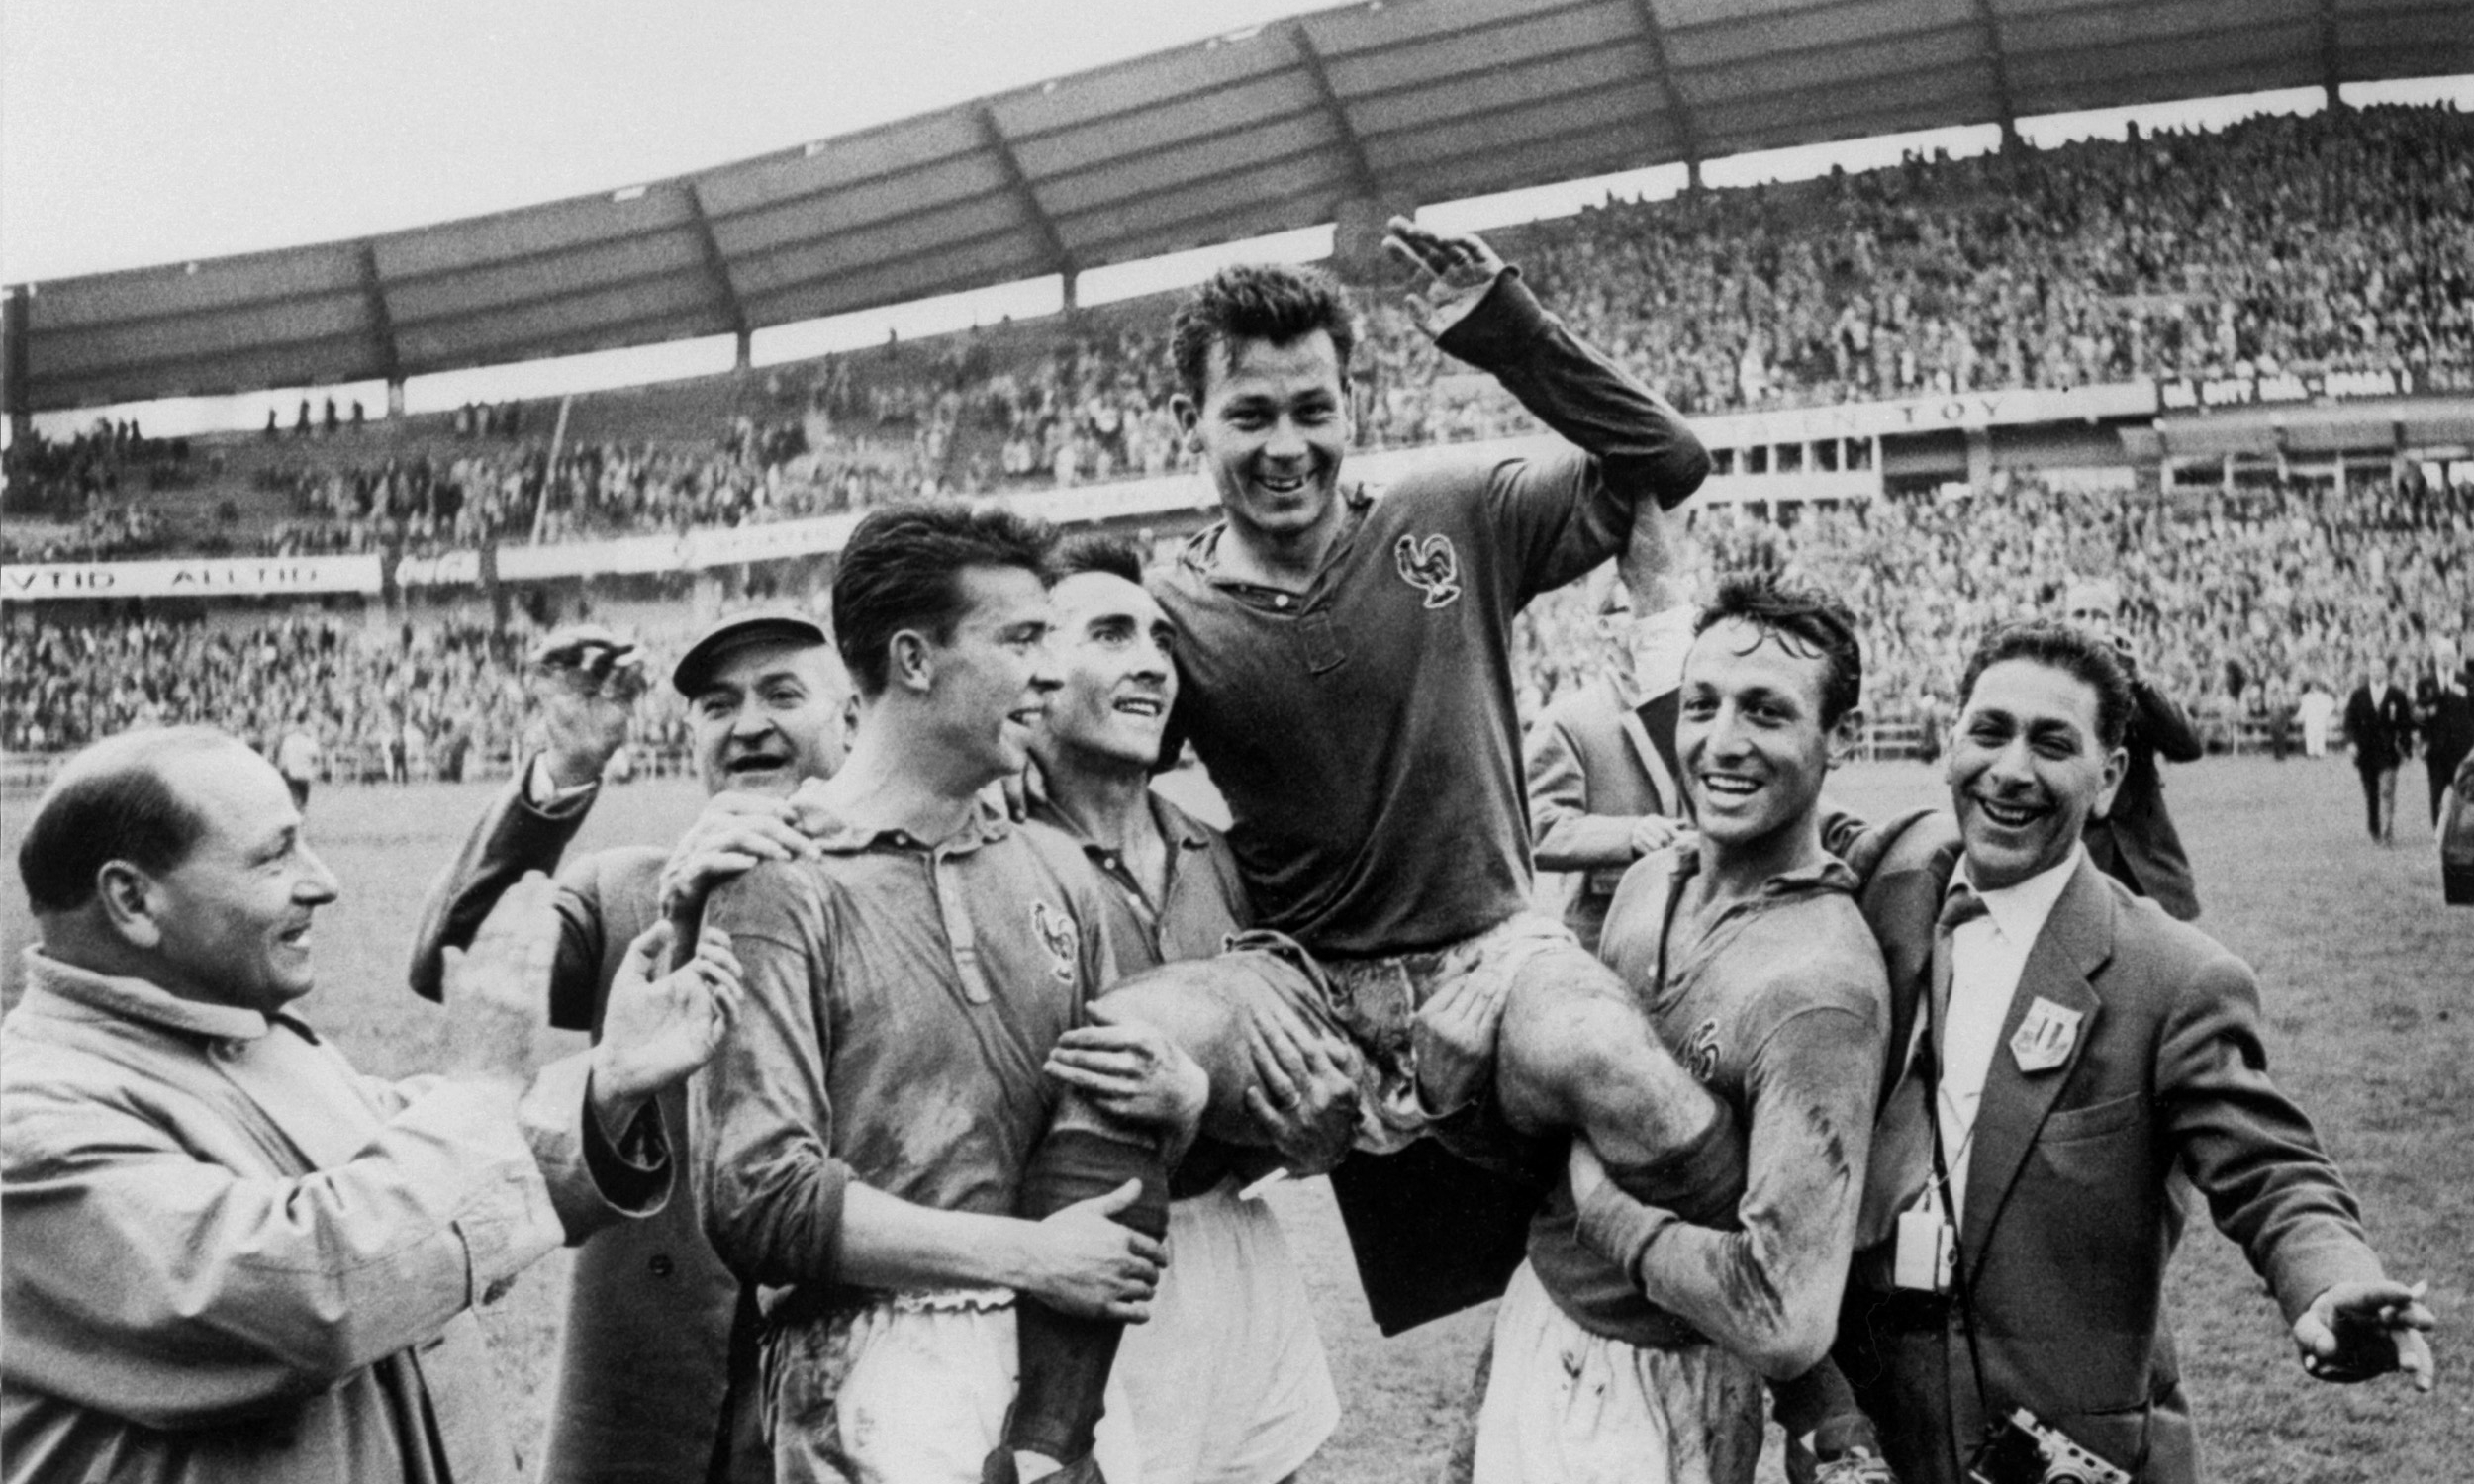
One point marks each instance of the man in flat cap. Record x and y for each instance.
(644, 1367)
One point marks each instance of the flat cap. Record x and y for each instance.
(695, 668)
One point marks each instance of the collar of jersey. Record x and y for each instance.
(1829, 874)
(1201, 555)
(988, 823)
(1175, 825)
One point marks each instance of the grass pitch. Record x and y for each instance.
(2368, 987)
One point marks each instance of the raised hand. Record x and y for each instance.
(497, 991)
(1453, 270)
(734, 833)
(662, 1023)
(584, 680)
(1082, 1263)
(2357, 1331)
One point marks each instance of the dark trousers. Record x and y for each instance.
(2379, 800)
(2441, 772)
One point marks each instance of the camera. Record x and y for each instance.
(2023, 1450)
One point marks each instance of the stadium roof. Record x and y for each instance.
(1395, 101)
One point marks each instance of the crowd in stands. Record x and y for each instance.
(2343, 241)
(2232, 604)
(65, 498)
(404, 702)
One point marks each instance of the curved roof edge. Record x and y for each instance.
(1393, 103)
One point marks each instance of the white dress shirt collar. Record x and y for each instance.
(2019, 909)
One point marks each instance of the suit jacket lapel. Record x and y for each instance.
(1637, 720)
(2076, 941)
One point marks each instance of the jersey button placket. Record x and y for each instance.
(958, 930)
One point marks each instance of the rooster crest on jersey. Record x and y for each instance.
(1431, 566)
(1057, 931)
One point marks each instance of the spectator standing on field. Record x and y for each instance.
(2379, 724)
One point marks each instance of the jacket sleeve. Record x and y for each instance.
(2248, 1149)
(1562, 833)
(762, 1158)
(513, 837)
(147, 1281)
(2161, 722)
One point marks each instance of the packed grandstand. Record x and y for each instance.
(2280, 249)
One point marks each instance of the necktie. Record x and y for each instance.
(1902, 1138)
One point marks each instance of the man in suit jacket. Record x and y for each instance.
(643, 1366)
(2085, 1046)
(2447, 714)
(2379, 724)
(2134, 841)
(1602, 771)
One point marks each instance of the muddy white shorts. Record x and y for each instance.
(1228, 1381)
(1564, 1405)
(910, 1389)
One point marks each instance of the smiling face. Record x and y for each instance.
(772, 714)
(990, 684)
(233, 920)
(1748, 732)
(1271, 427)
(2026, 769)
(1114, 649)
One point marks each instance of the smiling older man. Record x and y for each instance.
(227, 1256)
(643, 1364)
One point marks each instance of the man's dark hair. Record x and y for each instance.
(2067, 648)
(1807, 621)
(903, 570)
(111, 803)
(1116, 556)
(1271, 302)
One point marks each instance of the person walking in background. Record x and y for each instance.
(2134, 841)
(2317, 709)
(2379, 724)
(2446, 715)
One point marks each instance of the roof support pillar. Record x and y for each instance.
(1997, 63)
(14, 317)
(718, 271)
(1052, 243)
(2331, 72)
(1361, 170)
(381, 328)
(1679, 107)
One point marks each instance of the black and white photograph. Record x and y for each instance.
(1144, 742)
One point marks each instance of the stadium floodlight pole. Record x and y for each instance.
(558, 437)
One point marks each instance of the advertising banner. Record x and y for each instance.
(1965, 410)
(192, 577)
(2257, 391)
